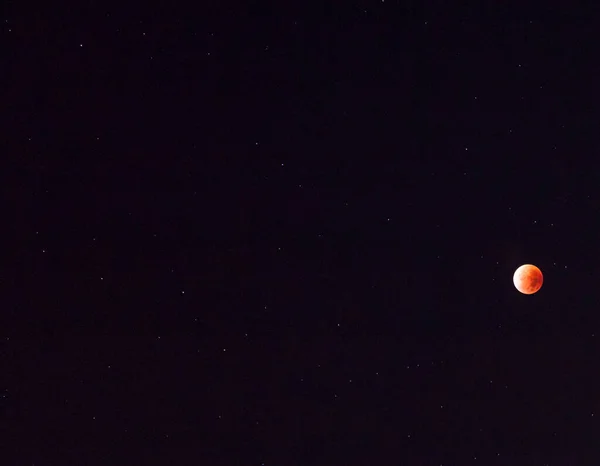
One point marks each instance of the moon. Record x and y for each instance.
(528, 279)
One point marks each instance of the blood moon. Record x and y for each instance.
(528, 279)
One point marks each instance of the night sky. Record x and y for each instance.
(279, 235)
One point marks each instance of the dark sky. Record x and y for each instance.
(286, 236)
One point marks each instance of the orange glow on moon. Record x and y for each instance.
(528, 279)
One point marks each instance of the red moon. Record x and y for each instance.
(528, 279)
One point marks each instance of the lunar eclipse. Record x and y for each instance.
(528, 279)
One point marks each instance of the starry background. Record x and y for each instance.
(251, 235)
